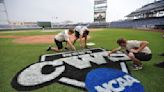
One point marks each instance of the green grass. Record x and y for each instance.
(14, 57)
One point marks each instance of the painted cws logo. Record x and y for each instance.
(69, 68)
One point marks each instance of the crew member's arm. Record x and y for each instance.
(71, 45)
(142, 46)
(81, 41)
(86, 35)
(85, 41)
(114, 50)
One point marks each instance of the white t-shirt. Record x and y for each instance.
(80, 29)
(62, 36)
(131, 44)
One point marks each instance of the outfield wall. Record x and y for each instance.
(57, 26)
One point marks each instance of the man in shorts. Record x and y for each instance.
(60, 38)
(80, 33)
(136, 50)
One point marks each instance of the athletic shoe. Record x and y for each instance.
(66, 48)
(161, 54)
(140, 67)
(161, 65)
(49, 48)
(137, 67)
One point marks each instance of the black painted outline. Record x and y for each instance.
(19, 87)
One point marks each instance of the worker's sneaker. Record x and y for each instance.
(137, 67)
(66, 48)
(49, 48)
(140, 67)
(161, 64)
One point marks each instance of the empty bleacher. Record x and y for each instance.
(139, 23)
(147, 16)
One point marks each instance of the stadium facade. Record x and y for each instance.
(148, 16)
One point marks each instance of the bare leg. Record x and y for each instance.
(85, 42)
(56, 49)
(75, 40)
(135, 60)
(66, 46)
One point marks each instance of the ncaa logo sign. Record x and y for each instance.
(111, 80)
(68, 68)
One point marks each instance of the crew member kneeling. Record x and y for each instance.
(81, 32)
(62, 37)
(137, 51)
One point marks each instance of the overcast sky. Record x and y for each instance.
(73, 10)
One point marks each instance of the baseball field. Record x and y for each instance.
(19, 49)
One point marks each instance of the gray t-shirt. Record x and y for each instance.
(131, 44)
(80, 29)
(62, 36)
